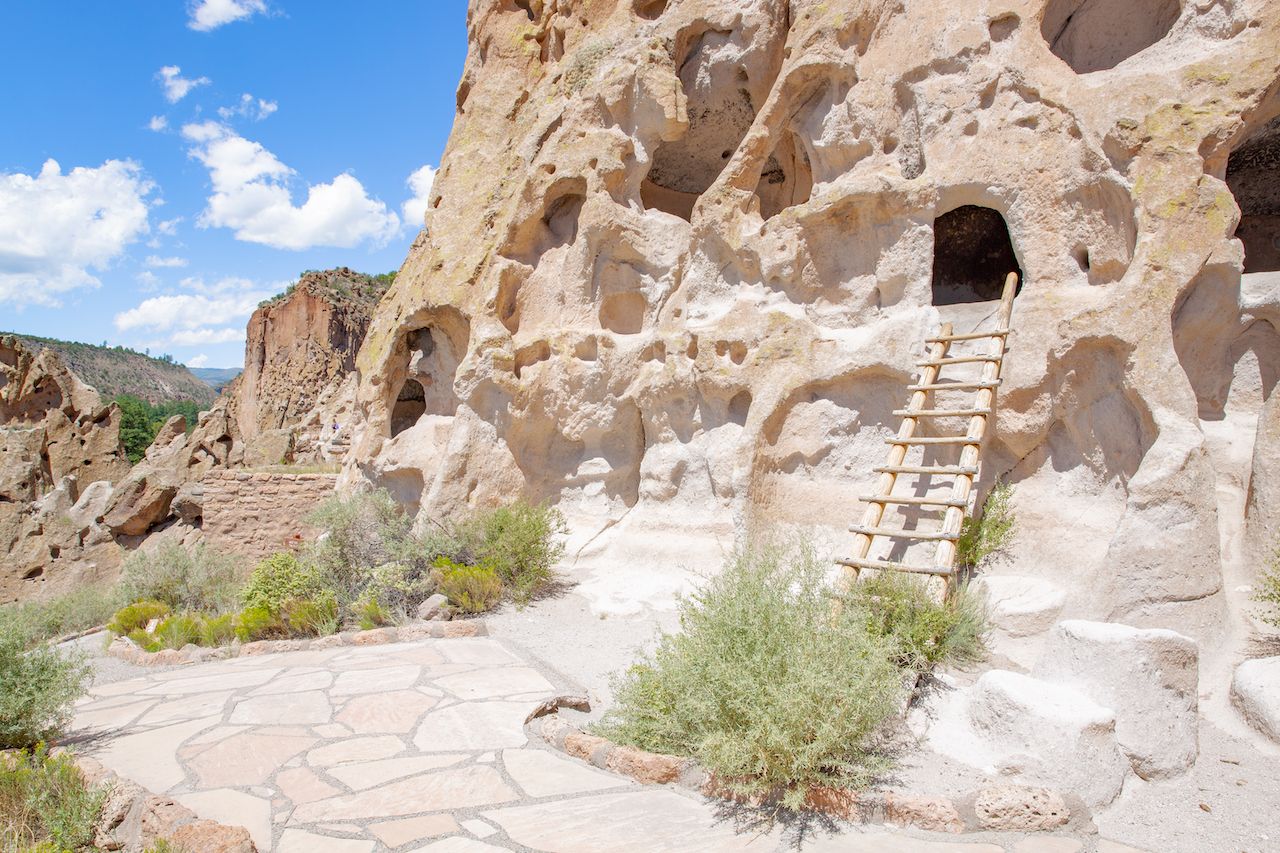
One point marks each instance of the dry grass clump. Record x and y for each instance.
(45, 804)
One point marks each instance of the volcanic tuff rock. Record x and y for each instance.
(56, 438)
(300, 353)
(680, 258)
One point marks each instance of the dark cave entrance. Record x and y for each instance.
(1253, 174)
(411, 404)
(972, 255)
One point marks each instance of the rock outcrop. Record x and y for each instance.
(300, 353)
(680, 258)
(57, 441)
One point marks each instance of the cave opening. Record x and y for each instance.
(1094, 35)
(720, 113)
(972, 256)
(786, 179)
(1253, 174)
(411, 404)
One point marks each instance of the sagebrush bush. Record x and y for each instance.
(474, 589)
(521, 542)
(218, 630)
(200, 579)
(312, 617)
(768, 684)
(926, 632)
(260, 623)
(370, 614)
(179, 630)
(398, 589)
(75, 611)
(278, 579)
(137, 616)
(988, 533)
(45, 803)
(363, 531)
(1268, 592)
(37, 688)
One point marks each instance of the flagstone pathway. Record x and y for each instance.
(414, 746)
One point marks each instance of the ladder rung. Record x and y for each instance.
(967, 336)
(947, 439)
(955, 470)
(940, 413)
(912, 500)
(959, 359)
(955, 386)
(901, 533)
(885, 565)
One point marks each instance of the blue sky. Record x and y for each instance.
(166, 164)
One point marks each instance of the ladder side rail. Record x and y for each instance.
(874, 513)
(953, 521)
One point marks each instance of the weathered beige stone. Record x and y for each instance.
(473, 726)
(1014, 808)
(233, 808)
(355, 749)
(541, 774)
(647, 767)
(465, 787)
(396, 712)
(361, 775)
(210, 837)
(936, 814)
(245, 759)
(302, 785)
(1255, 692)
(395, 833)
(582, 745)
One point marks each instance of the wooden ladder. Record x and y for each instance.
(956, 505)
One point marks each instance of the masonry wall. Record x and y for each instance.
(258, 514)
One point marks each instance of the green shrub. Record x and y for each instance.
(218, 630)
(78, 610)
(279, 578)
(259, 623)
(45, 803)
(179, 630)
(199, 580)
(474, 589)
(522, 542)
(370, 614)
(363, 531)
(399, 589)
(137, 616)
(926, 631)
(143, 640)
(314, 617)
(1268, 591)
(768, 684)
(988, 533)
(37, 687)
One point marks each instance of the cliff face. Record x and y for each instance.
(56, 439)
(300, 354)
(680, 258)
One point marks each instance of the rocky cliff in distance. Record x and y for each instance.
(113, 371)
(60, 452)
(300, 353)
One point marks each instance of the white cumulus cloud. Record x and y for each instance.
(198, 361)
(55, 227)
(419, 183)
(204, 337)
(176, 87)
(157, 261)
(206, 15)
(254, 109)
(158, 124)
(251, 196)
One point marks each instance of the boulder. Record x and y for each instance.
(140, 502)
(270, 447)
(207, 836)
(1016, 808)
(1021, 605)
(1035, 732)
(1255, 691)
(188, 503)
(92, 505)
(1149, 677)
(435, 608)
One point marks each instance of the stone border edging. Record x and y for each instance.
(133, 819)
(130, 652)
(993, 808)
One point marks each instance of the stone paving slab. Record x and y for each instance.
(414, 746)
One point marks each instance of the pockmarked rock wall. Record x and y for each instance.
(681, 256)
(257, 514)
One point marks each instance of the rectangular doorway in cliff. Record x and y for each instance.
(972, 256)
(1253, 174)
